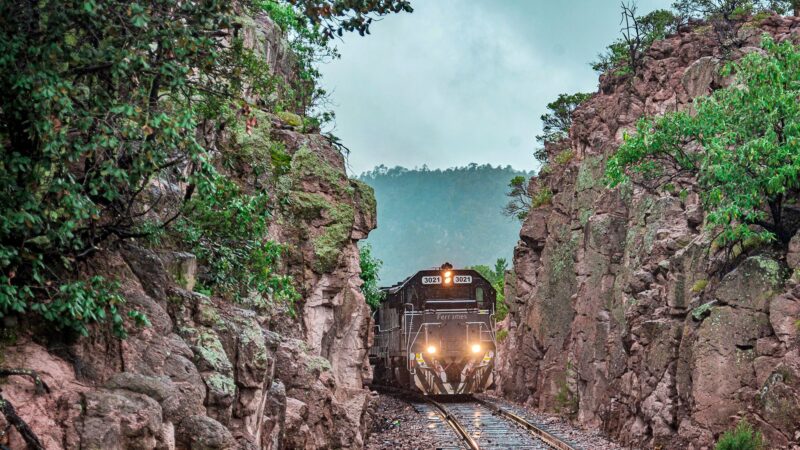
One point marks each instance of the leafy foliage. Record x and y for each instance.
(557, 122)
(369, 275)
(497, 277)
(743, 145)
(227, 230)
(624, 56)
(519, 203)
(97, 101)
(743, 437)
(311, 26)
(428, 216)
(725, 16)
(334, 17)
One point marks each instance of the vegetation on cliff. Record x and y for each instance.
(744, 437)
(107, 105)
(741, 145)
(370, 266)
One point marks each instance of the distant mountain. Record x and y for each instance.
(427, 217)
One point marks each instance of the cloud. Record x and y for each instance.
(463, 81)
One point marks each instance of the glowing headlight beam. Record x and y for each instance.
(476, 348)
(432, 350)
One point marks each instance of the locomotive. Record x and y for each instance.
(435, 333)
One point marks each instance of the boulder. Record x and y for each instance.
(121, 420)
(202, 433)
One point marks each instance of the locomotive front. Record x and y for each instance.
(436, 332)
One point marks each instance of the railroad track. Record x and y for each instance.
(482, 425)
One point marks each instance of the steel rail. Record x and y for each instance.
(448, 417)
(539, 433)
(454, 423)
(547, 437)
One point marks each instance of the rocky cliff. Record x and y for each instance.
(624, 315)
(209, 373)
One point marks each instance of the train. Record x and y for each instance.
(435, 333)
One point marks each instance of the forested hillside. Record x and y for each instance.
(427, 217)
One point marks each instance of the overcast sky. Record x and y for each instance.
(461, 81)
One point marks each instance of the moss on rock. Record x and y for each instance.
(590, 174)
(318, 363)
(367, 196)
(221, 384)
(329, 245)
(290, 118)
(307, 164)
(208, 349)
(307, 205)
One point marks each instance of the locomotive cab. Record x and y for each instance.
(435, 333)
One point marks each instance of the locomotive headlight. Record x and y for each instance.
(476, 348)
(431, 350)
(448, 277)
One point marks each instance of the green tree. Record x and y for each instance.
(519, 203)
(311, 25)
(741, 145)
(98, 100)
(557, 121)
(370, 266)
(624, 56)
(335, 17)
(497, 277)
(730, 10)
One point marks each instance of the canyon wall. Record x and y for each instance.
(209, 373)
(624, 316)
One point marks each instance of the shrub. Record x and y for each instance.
(557, 122)
(625, 55)
(702, 311)
(544, 196)
(564, 157)
(73, 177)
(227, 229)
(519, 202)
(370, 266)
(743, 437)
(740, 145)
(497, 277)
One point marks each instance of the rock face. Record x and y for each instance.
(210, 374)
(623, 316)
